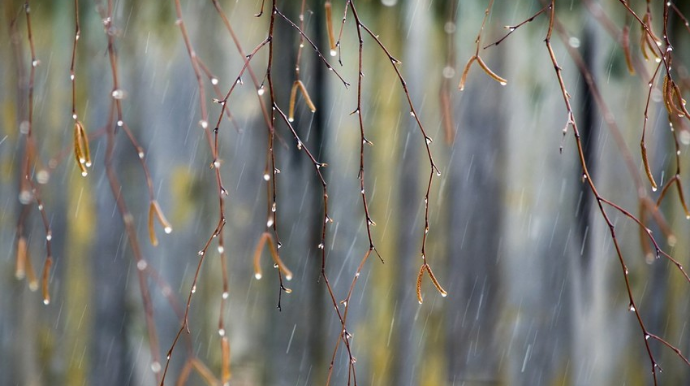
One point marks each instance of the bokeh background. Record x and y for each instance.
(536, 292)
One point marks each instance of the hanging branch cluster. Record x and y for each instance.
(661, 51)
(33, 173)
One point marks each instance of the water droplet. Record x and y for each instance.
(503, 83)
(203, 124)
(269, 223)
(279, 244)
(216, 164)
(646, 336)
(320, 246)
(46, 301)
(214, 81)
(49, 236)
(260, 91)
(357, 274)
(444, 294)
(429, 140)
(120, 123)
(371, 222)
(334, 52)
(167, 230)
(156, 367)
(225, 295)
(141, 154)
(194, 288)
(201, 252)
(74, 116)
(71, 77)
(631, 308)
(118, 94)
(299, 145)
(267, 176)
(257, 276)
(35, 63)
(412, 113)
(273, 207)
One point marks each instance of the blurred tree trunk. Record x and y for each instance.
(412, 177)
(475, 194)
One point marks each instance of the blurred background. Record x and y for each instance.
(536, 294)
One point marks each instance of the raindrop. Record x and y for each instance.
(448, 72)
(118, 94)
(267, 176)
(221, 332)
(646, 336)
(260, 91)
(35, 63)
(43, 176)
(201, 252)
(269, 223)
(631, 308)
(320, 246)
(429, 140)
(156, 367)
(46, 301)
(221, 249)
(573, 41)
(214, 81)
(74, 116)
(225, 295)
(279, 244)
(24, 127)
(194, 288)
(444, 294)
(257, 276)
(203, 124)
(276, 170)
(216, 164)
(273, 207)
(412, 113)
(141, 265)
(40, 207)
(167, 230)
(141, 154)
(503, 83)
(120, 123)
(357, 274)
(49, 236)
(334, 52)
(71, 77)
